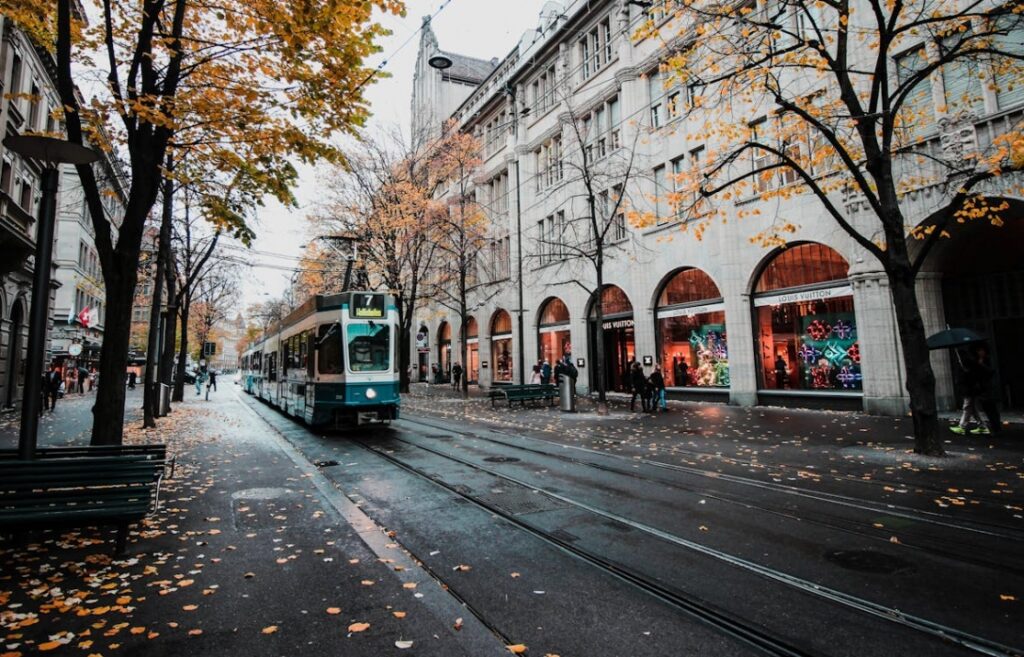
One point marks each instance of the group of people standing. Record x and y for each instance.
(59, 381)
(650, 389)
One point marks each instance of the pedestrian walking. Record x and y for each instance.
(200, 380)
(456, 376)
(657, 385)
(976, 387)
(545, 371)
(71, 380)
(638, 387)
(212, 383)
(132, 378)
(83, 376)
(51, 388)
(535, 377)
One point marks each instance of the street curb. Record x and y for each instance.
(477, 638)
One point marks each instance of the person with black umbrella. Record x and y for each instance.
(976, 385)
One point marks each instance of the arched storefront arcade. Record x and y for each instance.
(804, 323)
(501, 347)
(619, 338)
(553, 335)
(690, 332)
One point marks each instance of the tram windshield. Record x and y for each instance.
(328, 349)
(369, 347)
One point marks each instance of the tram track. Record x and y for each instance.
(849, 527)
(748, 463)
(993, 530)
(724, 622)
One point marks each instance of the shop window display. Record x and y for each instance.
(553, 332)
(691, 332)
(808, 336)
(501, 346)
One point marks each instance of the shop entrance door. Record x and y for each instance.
(473, 367)
(619, 352)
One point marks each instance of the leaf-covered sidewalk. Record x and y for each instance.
(243, 557)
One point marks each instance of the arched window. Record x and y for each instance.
(553, 335)
(501, 346)
(472, 350)
(619, 343)
(444, 350)
(691, 331)
(807, 330)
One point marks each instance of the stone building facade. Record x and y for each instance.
(727, 319)
(27, 95)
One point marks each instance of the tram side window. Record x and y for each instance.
(272, 366)
(307, 349)
(328, 349)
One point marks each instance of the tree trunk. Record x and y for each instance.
(108, 412)
(916, 357)
(179, 380)
(170, 321)
(599, 373)
(150, 396)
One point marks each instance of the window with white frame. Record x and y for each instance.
(759, 158)
(618, 230)
(656, 96)
(1007, 76)
(678, 178)
(918, 111)
(595, 48)
(661, 190)
(545, 88)
(961, 78)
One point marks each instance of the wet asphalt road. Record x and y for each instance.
(578, 552)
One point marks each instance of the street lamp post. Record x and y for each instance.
(50, 152)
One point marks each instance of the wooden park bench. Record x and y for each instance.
(61, 491)
(157, 452)
(525, 393)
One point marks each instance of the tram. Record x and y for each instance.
(331, 362)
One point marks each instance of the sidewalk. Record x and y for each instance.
(251, 553)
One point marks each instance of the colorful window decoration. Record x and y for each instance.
(691, 332)
(807, 334)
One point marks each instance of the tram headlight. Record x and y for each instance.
(371, 393)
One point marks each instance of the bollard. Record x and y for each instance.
(567, 394)
(165, 399)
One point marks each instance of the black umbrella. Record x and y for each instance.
(954, 337)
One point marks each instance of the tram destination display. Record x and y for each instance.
(365, 305)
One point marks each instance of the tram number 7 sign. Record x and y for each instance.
(367, 305)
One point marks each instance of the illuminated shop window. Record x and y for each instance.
(807, 330)
(691, 329)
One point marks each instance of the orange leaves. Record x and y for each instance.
(358, 627)
(270, 629)
(334, 611)
(517, 649)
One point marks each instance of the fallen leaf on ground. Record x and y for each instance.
(458, 624)
(358, 627)
(368, 582)
(1007, 598)
(190, 607)
(462, 568)
(409, 585)
(50, 645)
(398, 614)
(402, 645)
(334, 610)
(517, 649)
(269, 629)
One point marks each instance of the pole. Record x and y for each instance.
(519, 277)
(38, 317)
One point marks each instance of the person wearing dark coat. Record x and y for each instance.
(51, 388)
(638, 386)
(657, 385)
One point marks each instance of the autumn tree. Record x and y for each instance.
(387, 198)
(459, 279)
(593, 170)
(215, 300)
(833, 99)
(263, 80)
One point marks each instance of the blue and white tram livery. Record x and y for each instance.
(331, 362)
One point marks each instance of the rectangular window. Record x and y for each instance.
(962, 80)
(35, 103)
(918, 111)
(1009, 87)
(678, 181)
(672, 106)
(606, 35)
(660, 193)
(619, 220)
(369, 347)
(328, 349)
(763, 180)
(696, 165)
(656, 92)
(614, 119)
(585, 56)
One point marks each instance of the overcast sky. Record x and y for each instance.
(479, 28)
